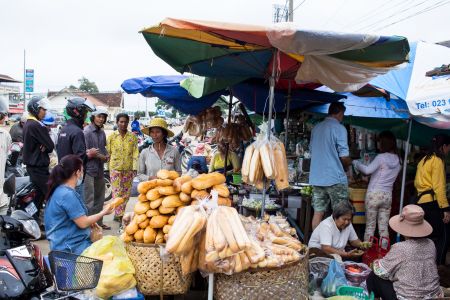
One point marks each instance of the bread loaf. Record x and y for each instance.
(158, 221)
(164, 182)
(152, 212)
(167, 190)
(172, 201)
(159, 237)
(166, 228)
(177, 183)
(223, 201)
(246, 163)
(256, 172)
(265, 151)
(282, 179)
(140, 218)
(199, 195)
(163, 174)
(185, 197)
(171, 220)
(173, 175)
(141, 207)
(139, 235)
(149, 235)
(179, 229)
(116, 202)
(142, 197)
(153, 194)
(155, 204)
(205, 181)
(144, 186)
(222, 190)
(131, 228)
(144, 224)
(126, 237)
(179, 208)
(166, 210)
(187, 187)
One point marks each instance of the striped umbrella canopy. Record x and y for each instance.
(237, 52)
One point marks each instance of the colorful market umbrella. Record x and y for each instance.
(170, 90)
(344, 62)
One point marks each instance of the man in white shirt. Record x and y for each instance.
(5, 144)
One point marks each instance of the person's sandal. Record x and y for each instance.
(105, 227)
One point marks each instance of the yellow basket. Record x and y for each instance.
(357, 198)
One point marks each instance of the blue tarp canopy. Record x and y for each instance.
(252, 94)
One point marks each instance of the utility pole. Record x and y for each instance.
(291, 11)
(24, 81)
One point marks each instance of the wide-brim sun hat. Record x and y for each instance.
(411, 223)
(159, 123)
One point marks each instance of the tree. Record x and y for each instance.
(161, 104)
(87, 86)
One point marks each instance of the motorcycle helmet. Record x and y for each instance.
(77, 108)
(48, 120)
(30, 226)
(37, 103)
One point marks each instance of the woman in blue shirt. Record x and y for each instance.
(67, 223)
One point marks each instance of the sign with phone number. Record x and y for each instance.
(424, 105)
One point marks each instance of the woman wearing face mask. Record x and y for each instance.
(67, 224)
(430, 183)
(159, 155)
(334, 233)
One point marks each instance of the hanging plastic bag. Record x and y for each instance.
(118, 272)
(334, 279)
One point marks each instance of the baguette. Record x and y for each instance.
(140, 218)
(237, 264)
(255, 167)
(159, 237)
(167, 190)
(126, 237)
(222, 190)
(236, 226)
(142, 197)
(144, 186)
(141, 207)
(152, 212)
(139, 235)
(166, 228)
(196, 226)
(223, 201)
(205, 181)
(116, 202)
(178, 231)
(219, 241)
(155, 204)
(164, 182)
(177, 183)
(276, 230)
(131, 228)
(282, 179)
(185, 197)
(144, 224)
(210, 234)
(163, 174)
(187, 187)
(149, 235)
(171, 220)
(172, 201)
(267, 161)
(153, 194)
(179, 208)
(158, 221)
(166, 210)
(199, 194)
(228, 232)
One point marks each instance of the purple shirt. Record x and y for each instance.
(95, 138)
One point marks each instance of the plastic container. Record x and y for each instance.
(356, 292)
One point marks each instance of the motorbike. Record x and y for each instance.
(22, 270)
(14, 161)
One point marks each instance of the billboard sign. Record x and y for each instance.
(29, 80)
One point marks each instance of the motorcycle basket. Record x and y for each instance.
(73, 272)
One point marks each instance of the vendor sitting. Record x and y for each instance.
(409, 270)
(334, 233)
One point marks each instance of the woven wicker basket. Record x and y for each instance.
(289, 282)
(155, 276)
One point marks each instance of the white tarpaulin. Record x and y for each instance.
(340, 75)
(428, 97)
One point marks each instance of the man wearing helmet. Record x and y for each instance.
(37, 145)
(5, 143)
(71, 137)
(94, 182)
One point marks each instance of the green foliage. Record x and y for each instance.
(87, 86)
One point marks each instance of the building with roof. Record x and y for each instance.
(113, 101)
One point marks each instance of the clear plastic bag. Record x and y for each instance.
(334, 279)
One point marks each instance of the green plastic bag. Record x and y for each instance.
(118, 272)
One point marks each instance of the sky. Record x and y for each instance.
(99, 39)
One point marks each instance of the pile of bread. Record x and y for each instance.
(264, 161)
(161, 199)
(207, 119)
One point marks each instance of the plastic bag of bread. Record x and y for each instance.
(183, 235)
(117, 272)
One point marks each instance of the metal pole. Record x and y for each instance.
(269, 126)
(288, 110)
(291, 11)
(210, 286)
(227, 149)
(405, 163)
(24, 83)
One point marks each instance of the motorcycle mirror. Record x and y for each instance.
(9, 187)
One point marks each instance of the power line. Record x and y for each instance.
(436, 5)
(371, 14)
(334, 14)
(396, 13)
(284, 11)
(298, 6)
